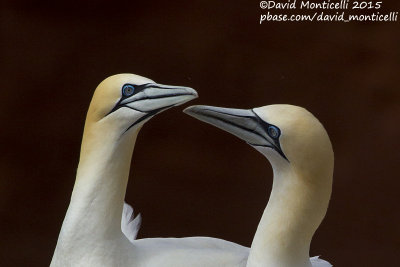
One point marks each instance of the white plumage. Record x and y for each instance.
(99, 229)
(129, 224)
(317, 262)
(301, 155)
(93, 233)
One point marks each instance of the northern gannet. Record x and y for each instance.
(301, 155)
(93, 233)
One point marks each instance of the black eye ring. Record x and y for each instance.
(128, 90)
(273, 131)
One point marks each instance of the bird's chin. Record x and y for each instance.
(272, 155)
(138, 124)
(135, 127)
(147, 115)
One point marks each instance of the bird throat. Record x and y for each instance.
(100, 185)
(293, 213)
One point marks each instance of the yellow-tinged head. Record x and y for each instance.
(126, 101)
(301, 154)
(303, 139)
(289, 136)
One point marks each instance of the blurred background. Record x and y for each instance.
(188, 178)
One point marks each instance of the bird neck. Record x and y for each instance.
(97, 199)
(294, 211)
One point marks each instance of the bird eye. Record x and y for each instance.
(128, 90)
(273, 131)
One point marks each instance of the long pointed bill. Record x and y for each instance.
(243, 123)
(154, 96)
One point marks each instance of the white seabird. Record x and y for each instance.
(93, 233)
(301, 155)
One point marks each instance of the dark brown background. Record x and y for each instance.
(189, 178)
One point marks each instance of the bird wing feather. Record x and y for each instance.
(317, 262)
(129, 224)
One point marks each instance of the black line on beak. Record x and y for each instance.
(138, 89)
(236, 125)
(149, 114)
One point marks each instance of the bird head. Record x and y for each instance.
(289, 136)
(123, 102)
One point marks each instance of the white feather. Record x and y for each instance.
(317, 262)
(129, 224)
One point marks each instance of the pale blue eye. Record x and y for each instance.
(128, 90)
(273, 131)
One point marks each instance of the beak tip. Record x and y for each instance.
(188, 110)
(193, 111)
(194, 93)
